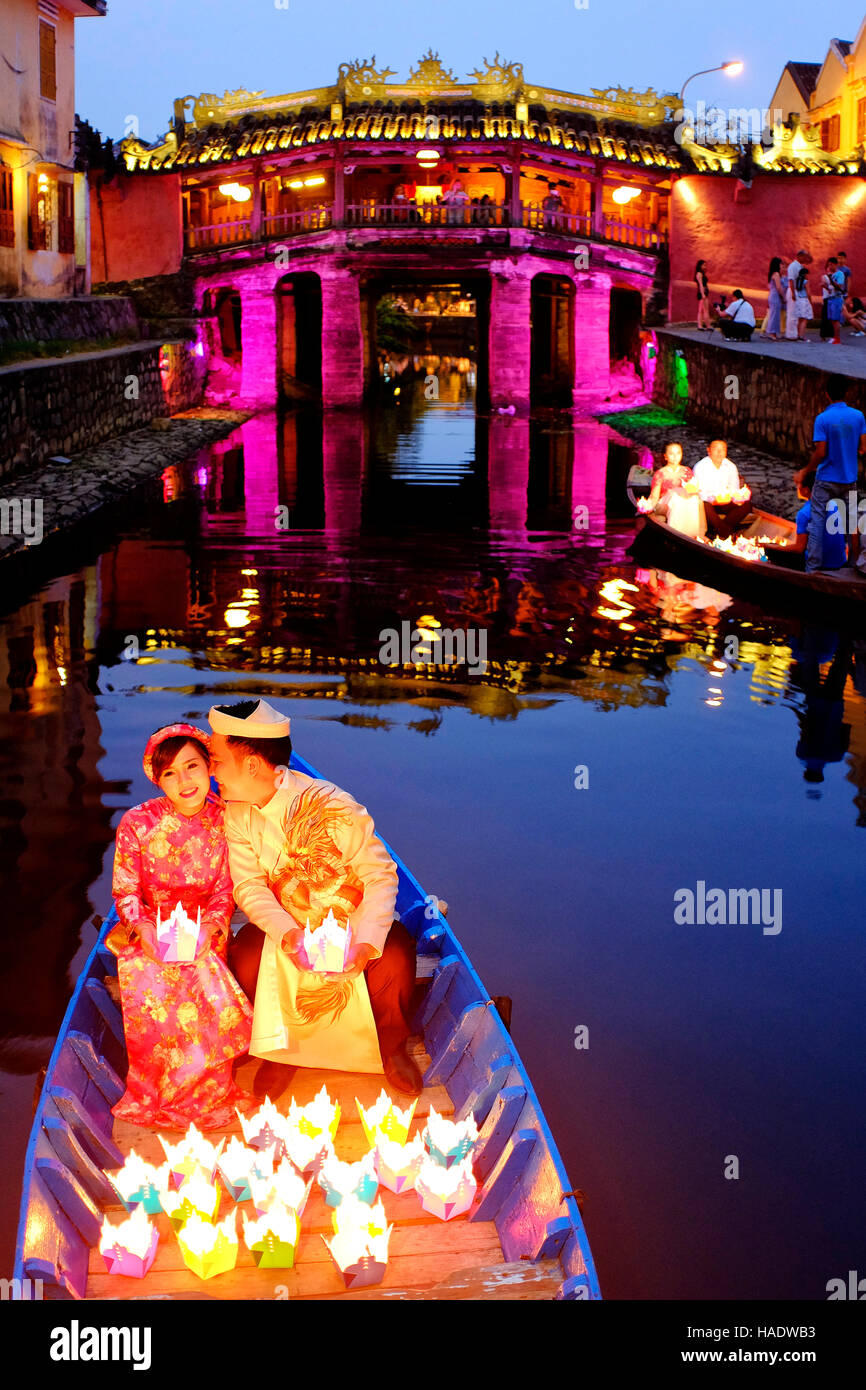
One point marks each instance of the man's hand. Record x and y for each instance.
(292, 946)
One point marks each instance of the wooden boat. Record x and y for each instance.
(755, 578)
(523, 1238)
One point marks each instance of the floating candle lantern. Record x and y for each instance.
(319, 1116)
(338, 1180)
(196, 1198)
(209, 1249)
(284, 1187)
(191, 1153)
(643, 505)
(384, 1117)
(179, 938)
(741, 546)
(239, 1165)
(398, 1165)
(138, 1183)
(307, 1152)
(449, 1141)
(130, 1247)
(273, 1237)
(265, 1129)
(446, 1192)
(359, 1247)
(327, 948)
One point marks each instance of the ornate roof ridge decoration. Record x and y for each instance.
(796, 149)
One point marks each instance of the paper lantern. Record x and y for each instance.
(308, 1152)
(384, 1117)
(265, 1129)
(129, 1248)
(327, 948)
(398, 1165)
(273, 1237)
(359, 1247)
(446, 1192)
(239, 1165)
(191, 1153)
(285, 1187)
(178, 938)
(195, 1198)
(338, 1180)
(449, 1141)
(138, 1183)
(319, 1116)
(209, 1249)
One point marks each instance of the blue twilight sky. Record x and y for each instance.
(147, 52)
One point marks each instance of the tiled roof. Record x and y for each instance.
(577, 133)
(805, 76)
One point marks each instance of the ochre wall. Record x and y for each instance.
(737, 240)
(143, 227)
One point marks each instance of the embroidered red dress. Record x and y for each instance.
(184, 1023)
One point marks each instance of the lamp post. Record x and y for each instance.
(732, 69)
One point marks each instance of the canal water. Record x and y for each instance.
(631, 735)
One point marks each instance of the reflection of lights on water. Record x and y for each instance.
(237, 617)
(713, 703)
(250, 595)
(719, 666)
(201, 477)
(249, 571)
(613, 591)
(61, 671)
(715, 690)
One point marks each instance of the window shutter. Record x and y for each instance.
(7, 209)
(47, 61)
(65, 218)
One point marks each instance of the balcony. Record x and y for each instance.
(403, 215)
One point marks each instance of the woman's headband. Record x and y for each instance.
(170, 731)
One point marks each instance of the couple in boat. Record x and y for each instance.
(689, 499)
(286, 849)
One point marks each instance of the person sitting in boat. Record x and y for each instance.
(300, 849)
(184, 1023)
(672, 474)
(718, 483)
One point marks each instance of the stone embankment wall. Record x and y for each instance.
(44, 320)
(62, 406)
(747, 396)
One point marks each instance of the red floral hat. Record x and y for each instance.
(170, 731)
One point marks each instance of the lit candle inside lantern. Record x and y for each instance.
(273, 1237)
(195, 1198)
(339, 1180)
(384, 1117)
(191, 1153)
(398, 1165)
(285, 1187)
(130, 1247)
(449, 1141)
(327, 947)
(319, 1116)
(238, 1165)
(266, 1129)
(359, 1247)
(209, 1249)
(178, 937)
(306, 1151)
(138, 1183)
(446, 1192)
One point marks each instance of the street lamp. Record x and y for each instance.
(732, 69)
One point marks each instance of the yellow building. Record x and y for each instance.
(830, 95)
(43, 202)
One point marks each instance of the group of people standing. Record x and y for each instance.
(788, 292)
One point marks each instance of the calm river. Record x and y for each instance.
(612, 753)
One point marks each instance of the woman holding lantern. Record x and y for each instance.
(184, 1022)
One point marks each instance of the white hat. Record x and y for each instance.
(262, 722)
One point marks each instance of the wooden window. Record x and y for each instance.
(861, 121)
(830, 134)
(7, 210)
(47, 61)
(65, 218)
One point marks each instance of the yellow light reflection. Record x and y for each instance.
(237, 617)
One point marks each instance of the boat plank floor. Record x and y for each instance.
(459, 1259)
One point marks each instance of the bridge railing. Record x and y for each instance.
(541, 219)
(291, 223)
(219, 234)
(633, 233)
(370, 213)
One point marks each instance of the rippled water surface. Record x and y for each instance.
(613, 752)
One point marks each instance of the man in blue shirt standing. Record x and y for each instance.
(839, 437)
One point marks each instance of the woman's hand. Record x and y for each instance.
(148, 942)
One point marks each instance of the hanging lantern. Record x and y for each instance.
(138, 1183)
(398, 1165)
(273, 1237)
(384, 1117)
(129, 1248)
(209, 1249)
(449, 1141)
(446, 1192)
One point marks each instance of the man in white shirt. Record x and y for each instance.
(740, 318)
(716, 476)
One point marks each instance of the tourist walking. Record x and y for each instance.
(776, 300)
(703, 288)
(797, 302)
(839, 437)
